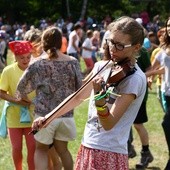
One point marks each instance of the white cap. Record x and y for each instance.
(139, 20)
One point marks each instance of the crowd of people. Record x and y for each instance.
(47, 70)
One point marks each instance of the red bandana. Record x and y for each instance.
(20, 47)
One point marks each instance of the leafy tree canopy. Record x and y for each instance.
(31, 11)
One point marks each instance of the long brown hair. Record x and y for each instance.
(166, 35)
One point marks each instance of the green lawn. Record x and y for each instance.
(157, 141)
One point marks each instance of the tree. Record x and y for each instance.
(68, 8)
(84, 7)
(31, 11)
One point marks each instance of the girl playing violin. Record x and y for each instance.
(104, 145)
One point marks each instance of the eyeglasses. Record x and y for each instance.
(118, 46)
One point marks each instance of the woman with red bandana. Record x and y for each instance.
(14, 110)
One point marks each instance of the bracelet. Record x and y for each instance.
(104, 116)
(101, 108)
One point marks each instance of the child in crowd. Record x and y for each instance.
(14, 110)
(87, 51)
(53, 78)
(104, 144)
(34, 37)
(161, 65)
(95, 42)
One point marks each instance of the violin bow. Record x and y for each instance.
(72, 100)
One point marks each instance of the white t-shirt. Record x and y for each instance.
(164, 60)
(160, 57)
(88, 44)
(115, 140)
(70, 48)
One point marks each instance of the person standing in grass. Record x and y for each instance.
(95, 42)
(87, 49)
(141, 118)
(162, 66)
(110, 117)
(15, 109)
(160, 35)
(34, 37)
(53, 78)
(73, 48)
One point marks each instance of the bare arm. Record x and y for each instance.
(155, 69)
(4, 95)
(155, 64)
(117, 110)
(158, 71)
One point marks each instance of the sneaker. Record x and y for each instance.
(167, 165)
(131, 152)
(146, 158)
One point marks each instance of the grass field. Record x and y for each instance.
(157, 141)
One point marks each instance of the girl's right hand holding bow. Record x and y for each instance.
(38, 123)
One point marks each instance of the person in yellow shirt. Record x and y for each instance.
(18, 113)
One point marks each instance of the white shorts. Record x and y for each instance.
(63, 129)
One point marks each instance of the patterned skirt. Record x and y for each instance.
(93, 159)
